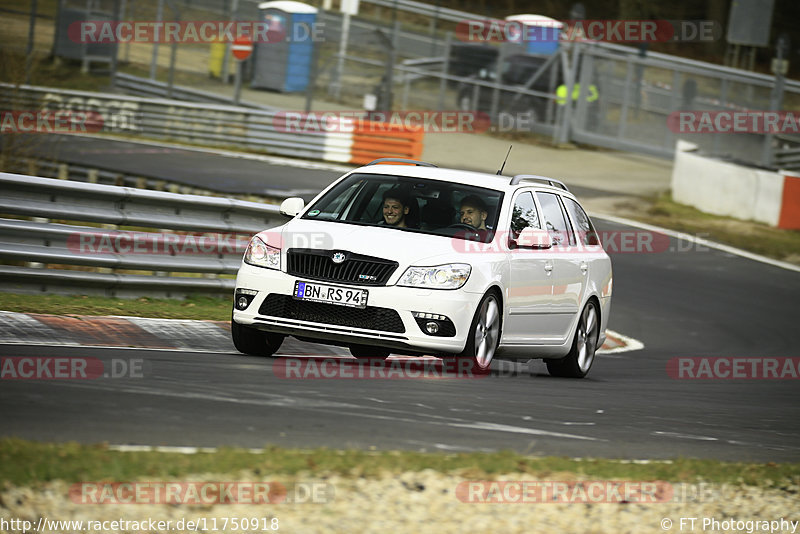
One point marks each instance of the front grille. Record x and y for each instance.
(355, 269)
(370, 318)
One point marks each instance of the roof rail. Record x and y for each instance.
(533, 178)
(400, 160)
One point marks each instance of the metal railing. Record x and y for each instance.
(163, 237)
(97, 175)
(205, 124)
(145, 87)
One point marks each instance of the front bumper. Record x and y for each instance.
(335, 324)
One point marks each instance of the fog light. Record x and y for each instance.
(434, 324)
(243, 298)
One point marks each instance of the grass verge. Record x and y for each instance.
(751, 236)
(194, 307)
(25, 462)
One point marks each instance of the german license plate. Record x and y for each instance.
(343, 296)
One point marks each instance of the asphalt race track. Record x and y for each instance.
(684, 302)
(197, 168)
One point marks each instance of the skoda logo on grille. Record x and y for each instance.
(338, 257)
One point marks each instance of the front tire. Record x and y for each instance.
(577, 363)
(254, 342)
(484, 334)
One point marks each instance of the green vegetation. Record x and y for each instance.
(194, 307)
(25, 462)
(747, 235)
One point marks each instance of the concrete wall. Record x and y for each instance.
(723, 188)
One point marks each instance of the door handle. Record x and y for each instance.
(584, 267)
(548, 267)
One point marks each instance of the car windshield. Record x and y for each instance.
(411, 204)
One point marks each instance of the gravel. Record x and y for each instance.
(422, 502)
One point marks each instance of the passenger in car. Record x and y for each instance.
(473, 212)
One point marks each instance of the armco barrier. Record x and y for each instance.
(216, 125)
(145, 87)
(733, 190)
(159, 218)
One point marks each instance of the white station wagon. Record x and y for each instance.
(419, 260)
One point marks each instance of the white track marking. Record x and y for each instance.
(699, 241)
(520, 430)
(630, 344)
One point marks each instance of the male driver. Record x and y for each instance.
(395, 208)
(473, 212)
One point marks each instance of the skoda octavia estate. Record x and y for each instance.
(418, 260)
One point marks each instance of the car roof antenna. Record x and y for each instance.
(504, 161)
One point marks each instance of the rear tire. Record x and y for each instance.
(577, 363)
(254, 342)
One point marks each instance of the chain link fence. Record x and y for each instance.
(406, 55)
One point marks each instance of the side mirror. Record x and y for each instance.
(292, 206)
(534, 238)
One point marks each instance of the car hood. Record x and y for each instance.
(406, 248)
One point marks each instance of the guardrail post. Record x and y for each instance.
(498, 80)
(623, 114)
(63, 171)
(154, 59)
(91, 176)
(571, 80)
(445, 69)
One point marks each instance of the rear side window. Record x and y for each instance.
(524, 215)
(555, 220)
(587, 235)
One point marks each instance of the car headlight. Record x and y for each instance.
(260, 254)
(451, 276)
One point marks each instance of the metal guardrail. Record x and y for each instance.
(218, 230)
(429, 10)
(207, 124)
(98, 175)
(138, 86)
